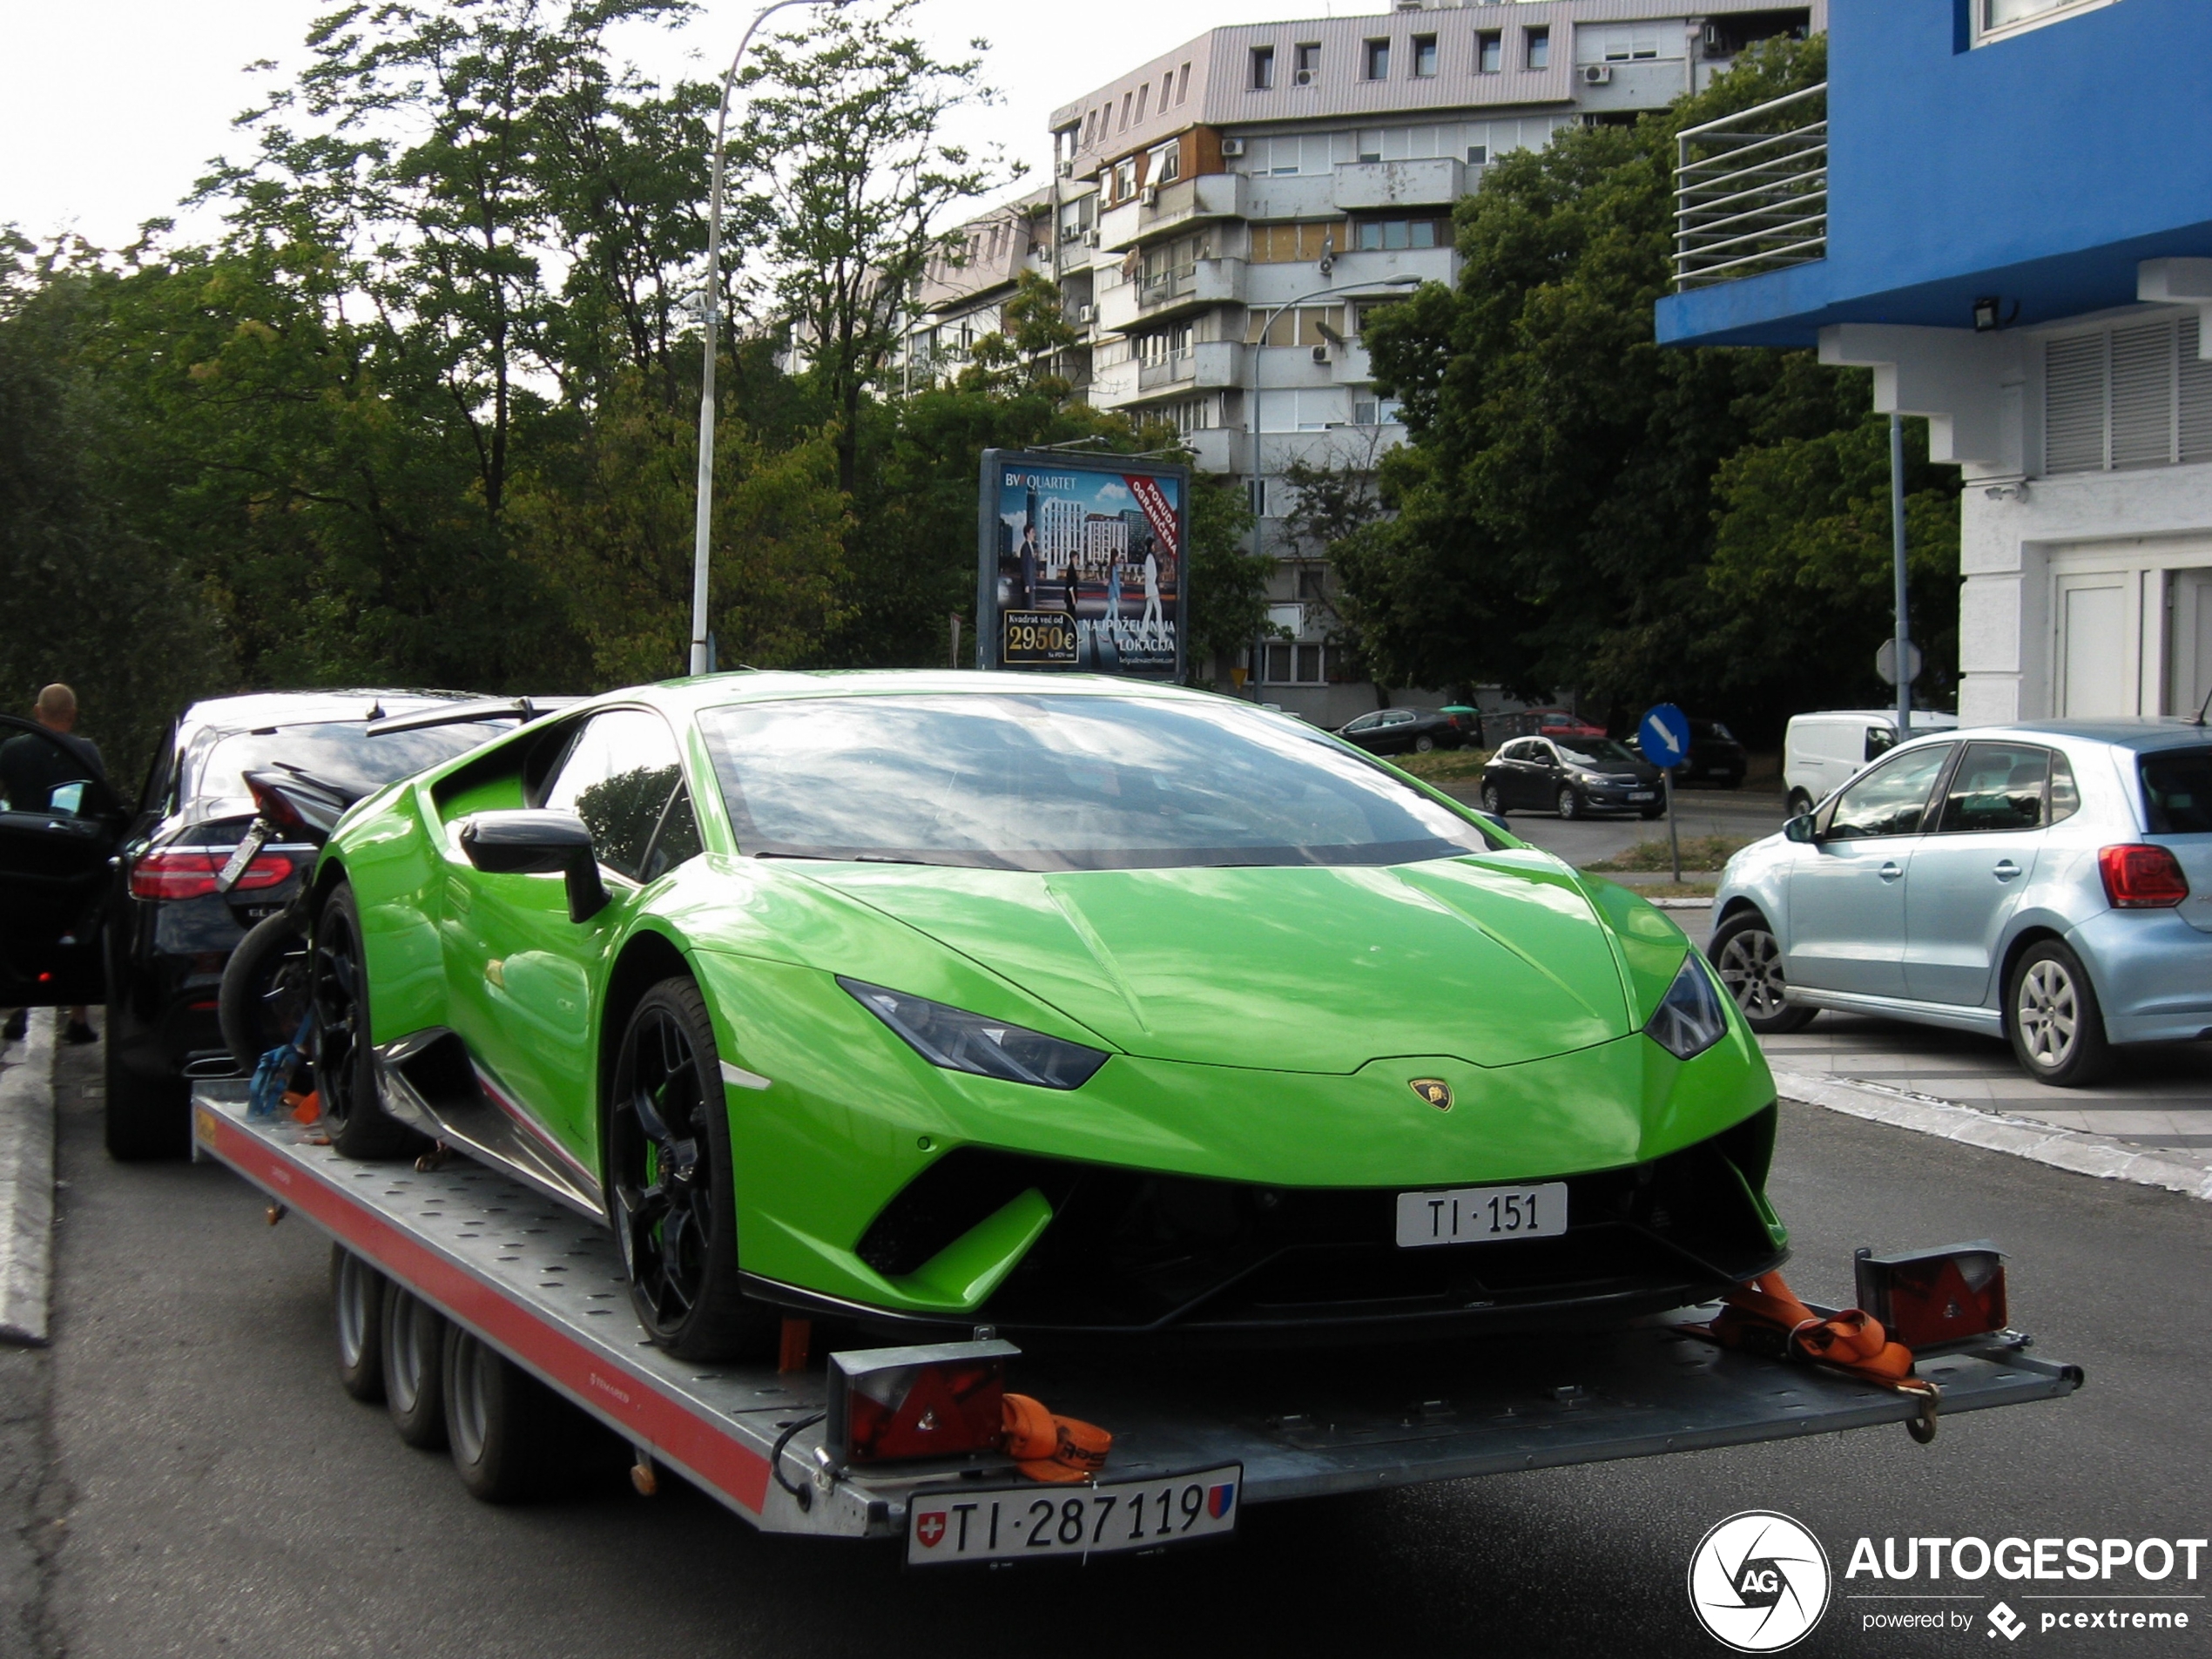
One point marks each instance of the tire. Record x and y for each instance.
(144, 1117)
(1423, 744)
(415, 1336)
(1569, 805)
(357, 1315)
(345, 1064)
(2052, 1016)
(678, 1233)
(1748, 959)
(1798, 804)
(264, 989)
(1493, 802)
(512, 1438)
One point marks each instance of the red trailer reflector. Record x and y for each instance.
(1927, 1297)
(945, 1400)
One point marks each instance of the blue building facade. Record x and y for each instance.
(2017, 237)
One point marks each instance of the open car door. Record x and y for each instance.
(60, 826)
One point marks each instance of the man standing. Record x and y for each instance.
(34, 768)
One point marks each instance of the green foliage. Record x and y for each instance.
(1554, 514)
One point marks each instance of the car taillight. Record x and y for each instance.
(190, 871)
(2141, 878)
(943, 1400)
(1931, 1296)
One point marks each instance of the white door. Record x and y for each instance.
(2093, 655)
(2192, 642)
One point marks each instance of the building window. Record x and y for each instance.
(1309, 63)
(1165, 164)
(1124, 179)
(1388, 235)
(1378, 60)
(2128, 397)
(1375, 411)
(1478, 155)
(1297, 244)
(1993, 19)
(1128, 99)
(1307, 326)
(1539, 53)
(1183, 83)
(1425, 56)
(1142, 93)
(1313, 583)
(1262, 68)
(1489, 52)
(1625, 43)
(1288, 662)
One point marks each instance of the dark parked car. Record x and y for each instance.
(1573, 776)
(1397, 732)
(1715, 756)
(169, 927)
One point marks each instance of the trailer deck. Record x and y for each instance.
(546, 1288)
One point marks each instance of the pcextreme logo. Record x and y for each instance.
(1759, 1581)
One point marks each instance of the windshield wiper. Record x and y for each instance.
(842, 857)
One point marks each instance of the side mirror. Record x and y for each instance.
(1800, 829)
(538, 843)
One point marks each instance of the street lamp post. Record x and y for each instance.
(705, 507)
(1259, 345)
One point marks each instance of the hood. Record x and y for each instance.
(1493, 959)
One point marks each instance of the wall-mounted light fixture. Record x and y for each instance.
(1990, 314)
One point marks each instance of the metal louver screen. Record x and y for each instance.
(2196, 397)
(2073, 404)
(2143, 395)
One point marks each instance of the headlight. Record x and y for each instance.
(1689, 1018)
(959, 1041)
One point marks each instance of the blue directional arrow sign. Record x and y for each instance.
(1664, 736)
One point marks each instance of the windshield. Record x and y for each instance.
(342, 756)
(2177, 790)
(1061, 782)
(1596, 751)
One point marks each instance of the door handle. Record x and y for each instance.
(1890, 872)
(2005, 870)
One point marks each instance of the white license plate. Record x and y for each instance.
(1033, 1522)
(1643, 794)
(1479, 1215)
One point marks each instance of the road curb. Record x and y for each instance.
(2062, 1148)
(27, 1185)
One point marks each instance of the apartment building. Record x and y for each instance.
(1223, 219)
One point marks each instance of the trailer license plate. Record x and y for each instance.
(1032, 1522)
(1477, 1215)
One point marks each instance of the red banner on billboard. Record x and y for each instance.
(1153, 501)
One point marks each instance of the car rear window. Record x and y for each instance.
(1061, 782)
(2177, 792)
(342, 755)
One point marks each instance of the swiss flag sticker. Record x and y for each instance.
(931, 1528)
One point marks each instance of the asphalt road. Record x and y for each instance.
(214, 1493)
(1742, 814)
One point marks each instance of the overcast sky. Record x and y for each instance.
(109, 109)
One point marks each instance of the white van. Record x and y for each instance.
(1822, 752)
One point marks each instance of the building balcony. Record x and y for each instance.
(1751, 190)
(1210, 365)
(1366, 187)
(1189, 287)
(1172, 207)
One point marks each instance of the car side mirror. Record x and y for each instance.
(538, 843)
(1800, 829)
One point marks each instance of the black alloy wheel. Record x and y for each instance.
(1748, 959)
(345, 1064)
(265, 989)
(669, 1176)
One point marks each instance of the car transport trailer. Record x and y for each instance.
(1195, 1437)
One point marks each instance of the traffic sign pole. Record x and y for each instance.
(1664, 736)
(1674, 842)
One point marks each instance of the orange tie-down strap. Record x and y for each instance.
(1060, 1450)
(1764, 1312)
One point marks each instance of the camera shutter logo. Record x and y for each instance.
(1759, 1581)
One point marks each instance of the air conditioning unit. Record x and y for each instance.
(1304, 78)
(1232, 148)
(1090, 237)
(1597, 74)
(1320, 353)
(1083, 315)
(1149, 195)
(1068, 168)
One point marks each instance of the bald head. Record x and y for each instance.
(57, 707)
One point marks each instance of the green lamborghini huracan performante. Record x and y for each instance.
(1073, 1007)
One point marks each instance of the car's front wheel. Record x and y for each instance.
(2052, 1016)
(670, 1175)
(353, 1111)
(1569, 805)
(1493, 801)
(1798, 804)
(1749, 958)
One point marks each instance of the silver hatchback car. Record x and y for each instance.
(2052, 883)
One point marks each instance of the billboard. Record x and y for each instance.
(1082, 565)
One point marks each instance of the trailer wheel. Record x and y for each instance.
(357, 1308)
(510, 1435)
(414, 1343)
